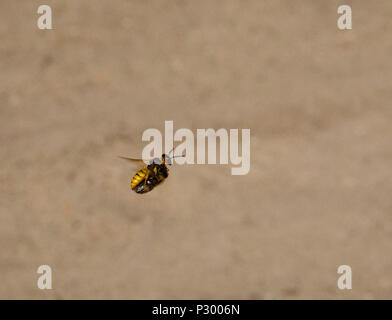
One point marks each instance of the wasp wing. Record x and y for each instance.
(135, 161)
(132, 159)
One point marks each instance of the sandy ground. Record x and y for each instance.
(317, 101)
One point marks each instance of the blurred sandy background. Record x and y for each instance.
(317, 101)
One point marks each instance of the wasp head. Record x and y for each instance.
(166, 159)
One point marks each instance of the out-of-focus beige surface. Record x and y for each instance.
(317, 101)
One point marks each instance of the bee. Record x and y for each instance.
(148, 177)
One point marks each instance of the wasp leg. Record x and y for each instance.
(146, 178)
(142, 187)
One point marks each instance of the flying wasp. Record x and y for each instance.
(148, 177)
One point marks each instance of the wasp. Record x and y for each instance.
(148, 177)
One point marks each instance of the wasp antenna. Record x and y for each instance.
(182, 156)
(171, 151)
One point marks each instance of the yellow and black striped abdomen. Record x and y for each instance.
(138, 177)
